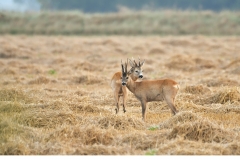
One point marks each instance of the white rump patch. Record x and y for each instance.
(176, 86)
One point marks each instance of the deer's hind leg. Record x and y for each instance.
(116, 97)
(170, 99)
(170, 102)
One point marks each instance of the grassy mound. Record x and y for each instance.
(180, 118)
(189, 63)
(197, 89)
(41, 80)
(218, 82)
(87, 79)
(14, 95)
(223, 96)
(103, 150)
(42, 118)
(202, 130)
(87, 135)
(85, 108)
(120, 123)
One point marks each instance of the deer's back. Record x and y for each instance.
(154, 88)
(116, 81)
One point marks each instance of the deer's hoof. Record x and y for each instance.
(174, 113)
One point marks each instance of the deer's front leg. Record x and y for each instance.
(124, 98)
(144, 109)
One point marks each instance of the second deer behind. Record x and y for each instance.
(118, 90)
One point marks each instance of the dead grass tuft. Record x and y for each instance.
(197, 89)
(232, 149)
(93, 135)
(46, 118)
(189, 63)
(87, 79)
(181, 117)
(103, 150)
(13, 149)
(156, 51)
(178, 147)
(11, 135)
(9, 70)
(94, 59)
(218, 82)
(236, 71)
(233, 64)
(88, 66)
(1, 64)
(202, 130)
(10, 107)
(6, 54)
(14, 95)
(227, 109)
(120, 123)
(182, 62)
(40, 80)
(223, 96)
(85, 108)
(141, 141)
(88, 135)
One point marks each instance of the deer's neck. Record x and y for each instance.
(131, 85)
(133, 78)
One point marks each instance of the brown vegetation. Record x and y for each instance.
(56, 99)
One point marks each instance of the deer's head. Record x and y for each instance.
(136, 69)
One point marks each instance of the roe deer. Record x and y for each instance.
(151, 90)
(118, 90)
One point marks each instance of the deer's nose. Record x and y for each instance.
(123, 83)
(140, 76)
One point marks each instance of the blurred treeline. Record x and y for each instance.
(112, 5)
(133, 17)
(163, 22)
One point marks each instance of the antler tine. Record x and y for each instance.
(135, 62)
(125, 67)
(122, 67)
(139, 61)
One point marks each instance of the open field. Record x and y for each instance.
(163, 22)
(56, 99)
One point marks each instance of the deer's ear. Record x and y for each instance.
(131, 63)
(141, 64)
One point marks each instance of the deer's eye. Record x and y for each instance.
(126, 77)
(136, 71)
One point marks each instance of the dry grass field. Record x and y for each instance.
(56, 99)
